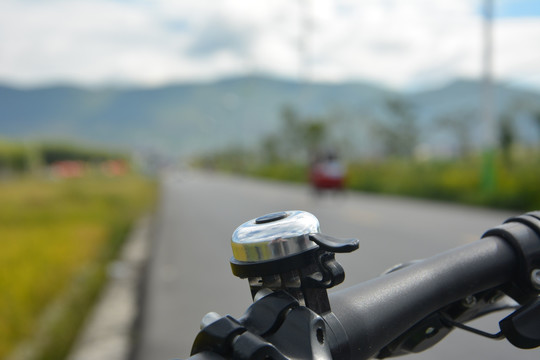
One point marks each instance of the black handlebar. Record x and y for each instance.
(366, 318)
(376, 312)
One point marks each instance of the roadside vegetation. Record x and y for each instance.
(508, 176)
(514, 187)
(63, 219)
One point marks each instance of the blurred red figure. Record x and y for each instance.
(327, 172)
(68, 169)
(114, 168)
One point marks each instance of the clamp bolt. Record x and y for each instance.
(469, 301)
(209, 319)
(535, 278)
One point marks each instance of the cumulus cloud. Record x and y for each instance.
(400, 44)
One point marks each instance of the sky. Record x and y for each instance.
(401, 44)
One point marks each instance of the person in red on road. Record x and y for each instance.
(327, 173)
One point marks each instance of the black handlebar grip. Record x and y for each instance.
(376, 312)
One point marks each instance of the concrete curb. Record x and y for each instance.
(108, 332)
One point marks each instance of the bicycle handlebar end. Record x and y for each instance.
(522, 233)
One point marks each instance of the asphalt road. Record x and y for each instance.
(189, 273)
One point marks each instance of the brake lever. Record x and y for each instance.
(522, 327)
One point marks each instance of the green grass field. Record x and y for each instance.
(56, 238)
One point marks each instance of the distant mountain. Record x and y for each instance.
(187, 118)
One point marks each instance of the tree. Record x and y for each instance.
(298, 137)
(399, 134)
(314, 133)
(507, 136)
(459, 124)
(536, 118)
(270, 149)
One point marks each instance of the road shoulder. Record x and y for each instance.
(108, 333)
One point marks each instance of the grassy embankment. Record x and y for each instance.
(56, 239)
(514, 185)
(516, 180)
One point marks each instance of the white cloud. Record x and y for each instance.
(398, 43)
(517, 51)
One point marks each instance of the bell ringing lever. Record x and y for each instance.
(332, 244)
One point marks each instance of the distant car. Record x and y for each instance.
(327, 174)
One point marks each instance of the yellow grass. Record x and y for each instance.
(50, 232)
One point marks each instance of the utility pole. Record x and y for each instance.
(305, 22)
(488, 116)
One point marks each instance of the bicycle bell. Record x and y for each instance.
(286, 250)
